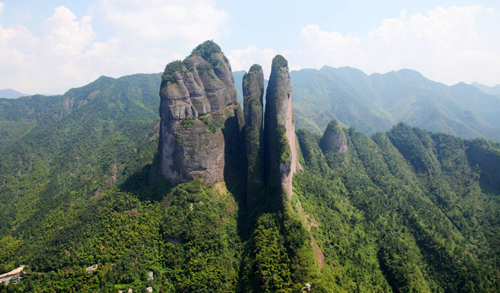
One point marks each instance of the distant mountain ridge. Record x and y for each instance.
(370, 103)
(125, 97)
(491, 90)
(373, 103)
(376, 102)
(10, 94)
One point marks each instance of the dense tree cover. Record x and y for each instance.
(108, 134)
(113, 230)
(406, 211)
(188, 240)
(278, 255)
(411, 211)
(212, 53)
(102, 134)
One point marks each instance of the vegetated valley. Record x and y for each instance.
(100, 192)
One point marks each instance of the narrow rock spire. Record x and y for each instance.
(280, 153)
(253, 92)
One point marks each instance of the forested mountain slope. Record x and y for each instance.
(127, 98)
(409, 210)
(405, 210)
(77, 146)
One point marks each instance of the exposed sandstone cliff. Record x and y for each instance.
(279, 132)
(198, 109)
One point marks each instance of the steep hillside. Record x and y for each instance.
(408, 211)
(77, 145)
(345, 94)
(132, 96)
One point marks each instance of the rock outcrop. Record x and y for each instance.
(333, 139)
(280, 153)
(253, 93)
(198, 106)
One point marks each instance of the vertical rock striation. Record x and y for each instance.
(253, 93)
(198, 104)
(280, 153)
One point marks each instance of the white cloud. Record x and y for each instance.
(442, 27)
(51, 63)
(492, 11)
(243, 59)
(66, 35)
(188, 22)
(443, 45)
(1, 8)
(321, 47)
(68, 52)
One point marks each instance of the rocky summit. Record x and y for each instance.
(201, 129)
(198, 108)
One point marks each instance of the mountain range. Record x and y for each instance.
(491, 90)
(376, 102)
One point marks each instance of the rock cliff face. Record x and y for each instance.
(280, 153)
(333, 139)
(198, 109)
(253, 92)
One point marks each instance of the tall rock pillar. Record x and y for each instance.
(253, 93)
(280, 153)
(199, 115)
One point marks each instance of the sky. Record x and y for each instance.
(50, 46)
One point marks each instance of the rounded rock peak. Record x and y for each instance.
(255, 68)
(334, 138)
(206, 49)
(279, 62)
(169, 74)
(332, 124)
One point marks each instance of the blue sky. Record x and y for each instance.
(51, 46)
